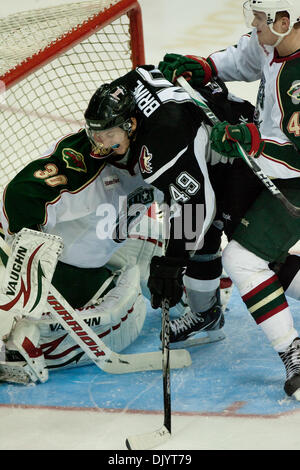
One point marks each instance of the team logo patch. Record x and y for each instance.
(74, 160)
(117, 92)
(145, 160)
(294, 91)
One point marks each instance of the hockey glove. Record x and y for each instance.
(224, 136)
(196, 70)
(165, 280)
(168, 65)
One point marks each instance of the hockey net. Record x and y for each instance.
(51, 62)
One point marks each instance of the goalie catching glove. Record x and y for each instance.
(196, 70)
(165, 280)
(224, 136)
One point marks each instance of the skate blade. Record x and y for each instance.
(211, 337)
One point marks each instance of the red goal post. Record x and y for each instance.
(51, 62)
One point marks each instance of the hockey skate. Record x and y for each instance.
(291, 360)
(14, 368)
(206, 325)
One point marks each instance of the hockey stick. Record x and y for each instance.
(92, 345)
(166, 364)
(152, 439)
(293, 210)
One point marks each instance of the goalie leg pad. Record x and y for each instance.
(25, 338)
(28, 274)
(7, 319)
(128, 310)
(117, 320)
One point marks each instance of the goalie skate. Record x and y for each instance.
(16, 372)
(14, 369)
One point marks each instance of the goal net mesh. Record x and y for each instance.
(50, 102)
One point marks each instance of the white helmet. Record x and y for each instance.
(270, 8)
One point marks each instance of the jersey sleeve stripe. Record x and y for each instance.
(164, 168)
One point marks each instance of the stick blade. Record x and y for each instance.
(128, 363)
(148, 440)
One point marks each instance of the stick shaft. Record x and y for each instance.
(166, 364)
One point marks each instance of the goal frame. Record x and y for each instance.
(73, 37)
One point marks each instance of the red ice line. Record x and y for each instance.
(231, 411)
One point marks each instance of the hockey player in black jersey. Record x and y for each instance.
(168, 137)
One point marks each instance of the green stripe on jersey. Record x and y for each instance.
(266, 301)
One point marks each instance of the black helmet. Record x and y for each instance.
(110, 106)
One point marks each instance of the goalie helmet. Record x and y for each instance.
(271, 8)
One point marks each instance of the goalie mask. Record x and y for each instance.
(108, 120)
(271, 8)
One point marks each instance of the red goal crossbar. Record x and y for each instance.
(73, 37)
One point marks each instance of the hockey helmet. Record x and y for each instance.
(271, 8)
(110, 106)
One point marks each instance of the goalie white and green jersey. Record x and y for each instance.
(278, 102)
(90, 203)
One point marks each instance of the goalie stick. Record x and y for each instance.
(153, 439)
(92, 345)
(293, 210)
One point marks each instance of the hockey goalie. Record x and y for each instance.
(33, 341)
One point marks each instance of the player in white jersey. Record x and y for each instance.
(271, 53)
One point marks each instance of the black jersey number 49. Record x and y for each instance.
(186, 186)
